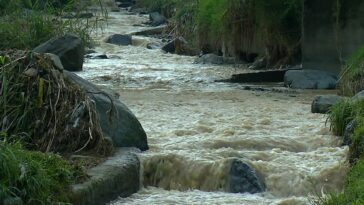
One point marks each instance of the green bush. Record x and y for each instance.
(353, 191)
(352, 76)
(25, 24)
(34, 177)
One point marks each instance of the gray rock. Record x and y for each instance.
(153, 46)
(69, 48)
(323, 103)
(157, 19)
(359, 96)
(348, 132)
(151, 31)
(310, 79)
(56, 61)
(122, 127)
(210, 58)
(119, 39)
(118, 176)
(96, 56)
(242, 179)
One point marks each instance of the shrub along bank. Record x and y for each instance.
(36, 106)
(347, 120)
(27, 23)
(243, 29)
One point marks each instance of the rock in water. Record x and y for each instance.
(242, 179)
(119, 39)
(121, 126)
(323, 103)
(69, 48)
(310, 79)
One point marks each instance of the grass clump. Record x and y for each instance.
(353, 191)
(25, 24)
(352, 76)
(34, 177)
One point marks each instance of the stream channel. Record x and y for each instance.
(196, 127)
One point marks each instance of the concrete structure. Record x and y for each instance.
(328, 43)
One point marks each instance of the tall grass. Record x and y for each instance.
(240, 26)
(34, 177)
(25, 24)
(352, 76)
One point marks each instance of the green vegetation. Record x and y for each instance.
(238, 27)
(353, 191)
(350, 111)
(40, 22)
(38, 104)
(352, 76)
(34, 177)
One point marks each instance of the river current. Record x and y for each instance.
(196, 126)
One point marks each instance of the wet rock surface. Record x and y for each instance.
(117, 176)
(310, 79)
(69, 48)
(116, 120)
(242, 178)
(323, 103)
(120, 39)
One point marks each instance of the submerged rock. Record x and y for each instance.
(69, 48)
(242, 178)
(120, 40)
(310, 79)
(116, 120)
(323, 103)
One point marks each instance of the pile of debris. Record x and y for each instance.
(45, 110)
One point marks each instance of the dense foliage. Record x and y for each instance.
(33, 177)
(352, 76)
(269, 28)
(350, 111)
(40, 20)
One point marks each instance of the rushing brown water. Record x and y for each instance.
(195, 127)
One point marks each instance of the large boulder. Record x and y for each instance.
(157, 19)
(323, 103)
(116, 120)
(310, 79)
(118, 176)
(120, 39)
(69, 48)
(243, 178)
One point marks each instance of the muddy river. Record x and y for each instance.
(196, 126)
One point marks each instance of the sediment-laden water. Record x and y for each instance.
(195, 127)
